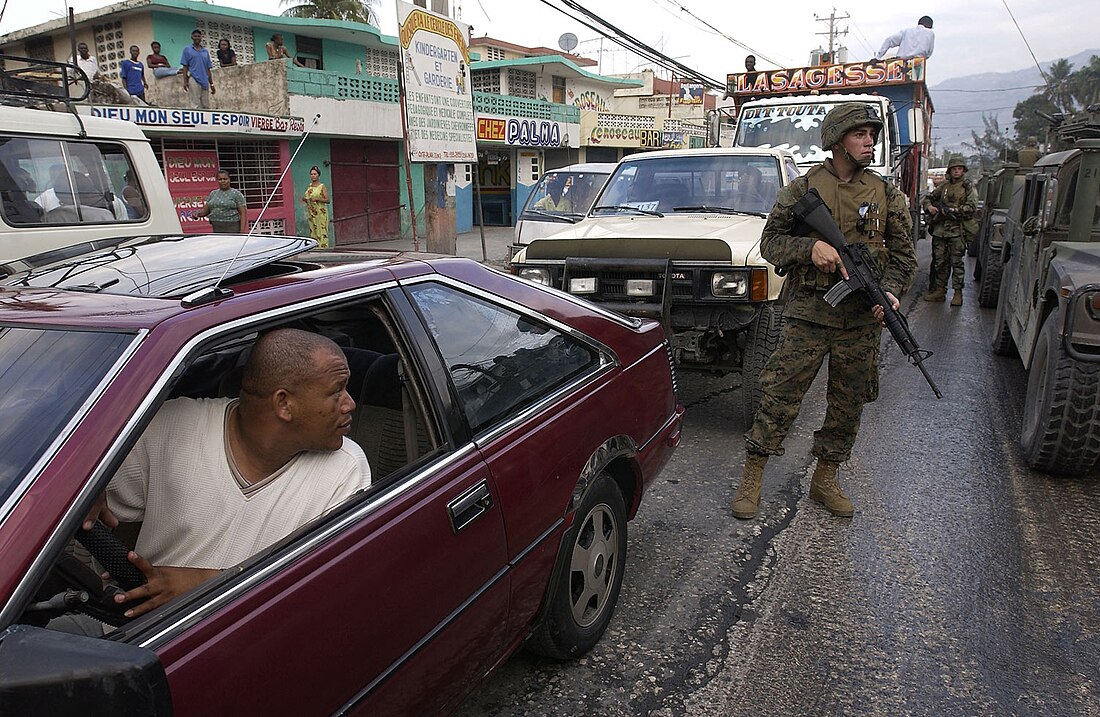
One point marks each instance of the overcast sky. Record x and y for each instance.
(972, 36)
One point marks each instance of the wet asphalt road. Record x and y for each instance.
(966, 584)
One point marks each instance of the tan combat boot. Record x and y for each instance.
(936, 295)
(825, 489)
(747, 496)
(957, 298)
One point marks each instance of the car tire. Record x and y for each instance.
(1061, 427)
(1002, 343)
(761, 341)
(989, 282)
(588, 576)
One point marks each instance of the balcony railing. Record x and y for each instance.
(490, 104)
(328, 83)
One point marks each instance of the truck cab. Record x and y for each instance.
(1048, 309)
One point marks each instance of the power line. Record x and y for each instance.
(740, 44)
(1026, 43)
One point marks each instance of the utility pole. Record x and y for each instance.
(832, 32)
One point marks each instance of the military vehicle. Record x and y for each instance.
(1048, 310)
(1002, 199)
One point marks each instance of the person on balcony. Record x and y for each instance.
(158, 63)
(132, 73)
(276, 50)
(226, 56)
(197, 65)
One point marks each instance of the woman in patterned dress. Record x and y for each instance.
(316, 199)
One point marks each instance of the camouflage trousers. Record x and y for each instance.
(853, 381)
(947, 262)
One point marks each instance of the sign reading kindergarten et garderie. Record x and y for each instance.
(200, 121)
(435, 66)
(870, 74)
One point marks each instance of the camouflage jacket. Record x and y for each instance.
(960, 196)
(870, 211)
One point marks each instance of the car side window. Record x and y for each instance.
(500, 361)
(48, 181)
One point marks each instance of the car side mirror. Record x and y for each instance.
(48, 673)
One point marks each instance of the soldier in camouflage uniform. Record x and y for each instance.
(867, 209)
(951, 207)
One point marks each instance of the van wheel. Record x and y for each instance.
(588, 576)
(1002, 343)
(761, 342)
(989, 284)
(1061, 430)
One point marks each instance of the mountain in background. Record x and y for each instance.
(961, 101)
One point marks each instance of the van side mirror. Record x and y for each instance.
(44, 673)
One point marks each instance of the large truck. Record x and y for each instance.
(783, 109)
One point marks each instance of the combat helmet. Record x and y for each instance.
(847, 117)
(956, 161)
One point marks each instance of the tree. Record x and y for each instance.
(347, 10)
(1084, 85)
(1029, 124)
(993, 146)
(1059, 85)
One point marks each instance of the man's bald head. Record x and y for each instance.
(284, 358)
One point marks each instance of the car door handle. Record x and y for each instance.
(466, 508)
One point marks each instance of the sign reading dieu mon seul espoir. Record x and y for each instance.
(826, 77)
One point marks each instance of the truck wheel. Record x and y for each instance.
(588, 576)
(1002, 343)
(1061, 430)
(761, 340)
(989, 284)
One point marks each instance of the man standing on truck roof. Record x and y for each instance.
(911, 42)
(951, 207)
(869, 210)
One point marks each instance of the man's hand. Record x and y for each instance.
(877, 310)
(186, 84)
(212, 90)
(827, 259)
(100, 511)
(933, 210)
(162, 584)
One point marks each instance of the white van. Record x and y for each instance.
(580, 183)
(66, 180)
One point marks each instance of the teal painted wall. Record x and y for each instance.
(262, 35)
(173, 32)
(315, 151)
(341, 56)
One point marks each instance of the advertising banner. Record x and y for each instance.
(192, 174)
(870, 74)
(435, 64)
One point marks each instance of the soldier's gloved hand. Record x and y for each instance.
(827, 259)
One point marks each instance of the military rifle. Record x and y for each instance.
(811, 212)
(942, 212)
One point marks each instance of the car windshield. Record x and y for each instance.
(794, 127)
(705, 182)
(564, 193)
(45, 376)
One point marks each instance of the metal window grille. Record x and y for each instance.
(253, 165)
(39, 48)
(486, 81)
(239, 36)
(521, 83)
(110, 48)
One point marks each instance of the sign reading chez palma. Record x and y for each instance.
(521, 132)
(827, 77)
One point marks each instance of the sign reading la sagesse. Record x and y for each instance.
(439, 106)
(827, 77)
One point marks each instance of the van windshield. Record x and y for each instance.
(795, 127)
(45, 377)
(564, 193)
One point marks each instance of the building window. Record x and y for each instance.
(486, 81)
(110, 49)
(39, 48)
(494, 53)
(309, 52)
(239, 36)
(559, 89)
(535, 173)
(253, 165)
(521, 83)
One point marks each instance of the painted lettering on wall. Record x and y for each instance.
(201, 119)
(533, 133)
(589, 100)
(491, 129)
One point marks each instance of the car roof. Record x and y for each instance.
(595, 167)
(26, 121)
(708, 152)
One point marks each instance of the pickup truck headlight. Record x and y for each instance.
(729, 283)
(583, 285)
(1092, 305)
(539, 276)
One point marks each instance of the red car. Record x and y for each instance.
(512, 431)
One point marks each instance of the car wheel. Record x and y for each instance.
(1002, 344)
(989, 282)
(1061, 430)
(588, 576)
(761, 341)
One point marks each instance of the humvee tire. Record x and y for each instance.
(989, 281)
(1061, 429)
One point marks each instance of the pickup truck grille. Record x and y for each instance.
(612, 284)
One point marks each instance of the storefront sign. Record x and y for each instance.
(522, 132)
(634, 137)
(200, 121)
(192, 174)
(827, 77)
(434, 62)
(691, 95)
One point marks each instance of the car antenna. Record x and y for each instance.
(211, 293)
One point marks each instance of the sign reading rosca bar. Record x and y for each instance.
(827, 77)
